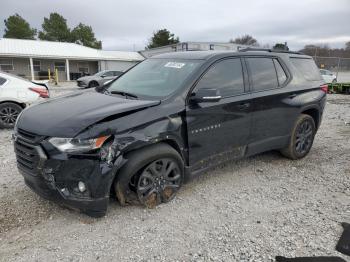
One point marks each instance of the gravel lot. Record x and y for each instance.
(248, 210)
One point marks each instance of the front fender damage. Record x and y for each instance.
(116, 154)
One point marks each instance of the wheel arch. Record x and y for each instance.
(314, 113)
(23, 105)
(120, 191)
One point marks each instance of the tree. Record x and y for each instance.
(347, 46)
(17, 27)
(55, 28)
(161, 38)
(281, 46)
(245, 40)
(83, 35)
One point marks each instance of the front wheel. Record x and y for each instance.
(159, 182)
(302, 138)
(8, 114)
(152, 175)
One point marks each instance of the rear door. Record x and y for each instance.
(218, 131)
(272, 116)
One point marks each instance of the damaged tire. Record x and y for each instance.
(302, 138)
(152, 176)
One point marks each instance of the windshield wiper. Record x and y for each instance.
(123, 93)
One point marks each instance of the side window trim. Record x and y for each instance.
(245, 87)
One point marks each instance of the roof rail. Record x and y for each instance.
(268, 50)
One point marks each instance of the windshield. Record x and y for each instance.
(100, 73)
(155, 77)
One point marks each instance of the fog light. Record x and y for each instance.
(81, 186)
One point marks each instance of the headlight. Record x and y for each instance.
(74, 145)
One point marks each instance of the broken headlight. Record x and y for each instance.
(77, 145)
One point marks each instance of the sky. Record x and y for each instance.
(129, 24)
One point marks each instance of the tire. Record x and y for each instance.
(130, 180)
(8, 114)
(93, 84)
(302, 138)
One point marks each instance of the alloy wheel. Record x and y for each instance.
(304, 137)
(8, 115)
(159, 182)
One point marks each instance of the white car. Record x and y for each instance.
(328, 76)
(17, 93)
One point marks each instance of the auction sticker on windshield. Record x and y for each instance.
(174, 65)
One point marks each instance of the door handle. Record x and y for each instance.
(292, 96)
(243, 106)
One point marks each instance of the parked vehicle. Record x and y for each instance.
(328, 76)
(166, 120)
(17, 93)
(98, 79)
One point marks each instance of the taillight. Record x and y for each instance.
(41, 91)
(324, 88)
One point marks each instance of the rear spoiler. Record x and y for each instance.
(41, 84)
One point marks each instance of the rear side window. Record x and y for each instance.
(226, 75)
(263, 73)
(307, 67)
(2, 81)
(281, 74)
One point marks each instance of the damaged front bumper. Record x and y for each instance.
(56, 176)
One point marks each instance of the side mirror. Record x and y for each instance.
(103, 76)
(206, 95)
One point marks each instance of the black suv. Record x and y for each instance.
(167, 119)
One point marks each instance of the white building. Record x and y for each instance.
(33, 59)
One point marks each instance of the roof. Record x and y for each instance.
(47, 49)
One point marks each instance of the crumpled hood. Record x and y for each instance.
(68, 115)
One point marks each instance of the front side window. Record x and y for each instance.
(263, 73)
(226, 76)
(155, 78)
(6, 65)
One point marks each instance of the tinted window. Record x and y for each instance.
(2, 81)
(226, 76)
(307, 67)
(263, 73)
(281, 75)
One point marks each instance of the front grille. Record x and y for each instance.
(26, 154)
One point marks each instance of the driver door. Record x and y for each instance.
(218, 131)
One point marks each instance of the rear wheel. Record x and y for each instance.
(152, 175)
(8, 114)
(302, 138)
